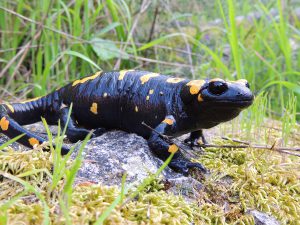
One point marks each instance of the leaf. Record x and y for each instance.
(79, 55)
(159, 40)
(107, 49)
(108, 28)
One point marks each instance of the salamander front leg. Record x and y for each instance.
(73, 132)
(194, 137)
(163, 149)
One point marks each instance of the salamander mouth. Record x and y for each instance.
(232, 103)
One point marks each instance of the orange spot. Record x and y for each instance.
(94, 108)
(11, 108)
(168, 121)
(173, 148)
(136, 109)
(195, 86)
(33, 141)
(83, 80)
(148, 97)
(146, 78)
(151, 91)
(194, 90)
(200, 99)
(105, 95)
(4, 123)
(174, 80)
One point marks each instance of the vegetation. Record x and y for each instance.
(46, 44)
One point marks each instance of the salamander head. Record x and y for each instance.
(218, 100)
(229, 94)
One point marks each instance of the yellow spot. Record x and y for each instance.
(136, 109)
(31, 100)
(105, 95)
(216, 79)
(146, 78)
(4, 123)
(196, 83)
(168, 121)
(148, 97)
(195, 86)
(174, 80)
(94, 108)
(173, 148)
(123, 73)
(33, 141)
(83, 80)
(194, 90)
(11, 108)
(151, 91)
(200, 99)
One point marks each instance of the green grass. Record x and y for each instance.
(77, 39)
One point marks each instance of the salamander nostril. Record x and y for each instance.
(217, 87)
(247, 85)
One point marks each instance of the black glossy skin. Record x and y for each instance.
(125, 99)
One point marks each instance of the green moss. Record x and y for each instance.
(241, 180)
(258, 179)
(159, 208)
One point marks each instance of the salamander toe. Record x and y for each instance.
(183, 165)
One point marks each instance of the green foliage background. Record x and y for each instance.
(45, 44)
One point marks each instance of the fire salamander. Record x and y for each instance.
(125, 99)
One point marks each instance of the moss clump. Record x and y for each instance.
(89, 202)
(245, 179)
(159, 208)
(18, 162)
(23, 213)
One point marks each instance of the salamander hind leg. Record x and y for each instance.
(163, 149)
(73, 132)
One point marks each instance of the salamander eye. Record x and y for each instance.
(217, 87)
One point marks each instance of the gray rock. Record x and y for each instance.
(108, 157)
(261, 218)
(188, 187)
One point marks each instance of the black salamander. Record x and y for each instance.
(125, 99)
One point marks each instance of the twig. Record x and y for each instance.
(168, 140)
(153, 24)
(235, 140)
(273, 147)
(246, 145)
